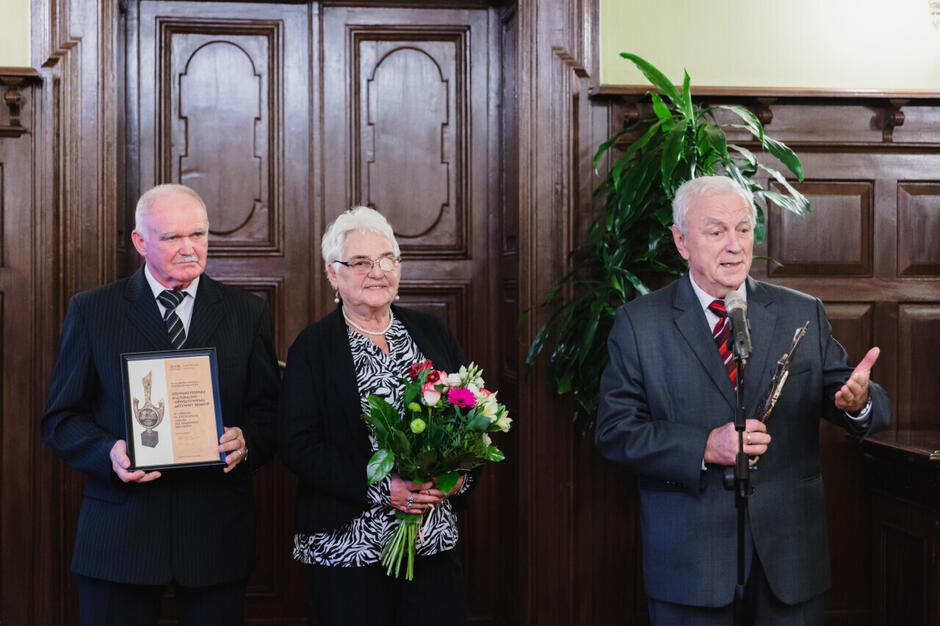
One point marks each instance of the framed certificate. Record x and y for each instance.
(172, 411)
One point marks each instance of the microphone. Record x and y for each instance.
(740, 332)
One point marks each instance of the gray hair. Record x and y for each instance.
(361, 219)
(145, 204)
(707, 186)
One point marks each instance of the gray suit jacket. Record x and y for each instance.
(662, 393)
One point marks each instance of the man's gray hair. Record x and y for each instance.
(145, 204)
(361, 219)
(707, 186)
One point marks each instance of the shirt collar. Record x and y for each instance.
(705, 298)
(156, 288)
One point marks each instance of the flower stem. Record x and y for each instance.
(402, 541)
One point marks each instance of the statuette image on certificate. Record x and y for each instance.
(182, 428)
(149, 416)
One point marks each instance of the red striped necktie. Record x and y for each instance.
(722, 335)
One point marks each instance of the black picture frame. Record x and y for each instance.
(189, 408)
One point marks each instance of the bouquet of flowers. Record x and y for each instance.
(443, 432)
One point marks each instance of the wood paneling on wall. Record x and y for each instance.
(218, 98)
(868, 251)
(21, 290)
(502, 142)
(410, 126)
(577, 524)
(71, 194)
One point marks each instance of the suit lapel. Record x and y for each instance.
(208, 311)
(762, 319)
(691, 323)
(143, 313)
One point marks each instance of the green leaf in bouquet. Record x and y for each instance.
(478, 447)
(399, 443)
(446, 482)
(407, 468)
(426, 461)
(382, 415)
(479, 423)
(436, 435)
(380, 465)
(464, 461)
(411, 393)
(494, 454)
(377, 423)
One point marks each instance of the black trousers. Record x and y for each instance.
(106, 603)
(761, 607)
(367, 596)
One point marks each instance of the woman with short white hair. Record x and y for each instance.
(366, 346)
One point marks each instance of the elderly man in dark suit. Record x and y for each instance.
(666, 403)
(139, 531)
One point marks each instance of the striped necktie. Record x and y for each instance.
(722, 336)
(170, 299)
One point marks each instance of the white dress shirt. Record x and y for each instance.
(185, 309)
(705, 299)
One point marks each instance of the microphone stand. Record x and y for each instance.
(741, 486)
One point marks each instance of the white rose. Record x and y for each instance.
(431, 395)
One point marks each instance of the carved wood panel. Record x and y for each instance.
(918, 224)
(410, 129)
(887, 297)
(218, 115)
(847, 501)
(21, 346)
(834, 238)
(411, 124)
(919, 358)
(449, 302)
(224, 105)
(901, 589)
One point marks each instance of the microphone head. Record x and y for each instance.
(735, 301)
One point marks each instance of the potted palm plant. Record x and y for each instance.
(630, 244)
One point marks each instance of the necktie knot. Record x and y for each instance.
(718, 308)
(170, 299)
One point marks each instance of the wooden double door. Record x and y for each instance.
(282, 116)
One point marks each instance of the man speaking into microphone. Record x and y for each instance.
(666, 408)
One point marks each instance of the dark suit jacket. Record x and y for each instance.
(194, 525)
(321, 434)
(662, 393)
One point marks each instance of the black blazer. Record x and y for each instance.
(321, 434)
(662, 393)
(194, 525)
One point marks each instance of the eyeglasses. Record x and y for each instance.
(364, 265)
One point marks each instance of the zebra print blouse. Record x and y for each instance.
(360, 542)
